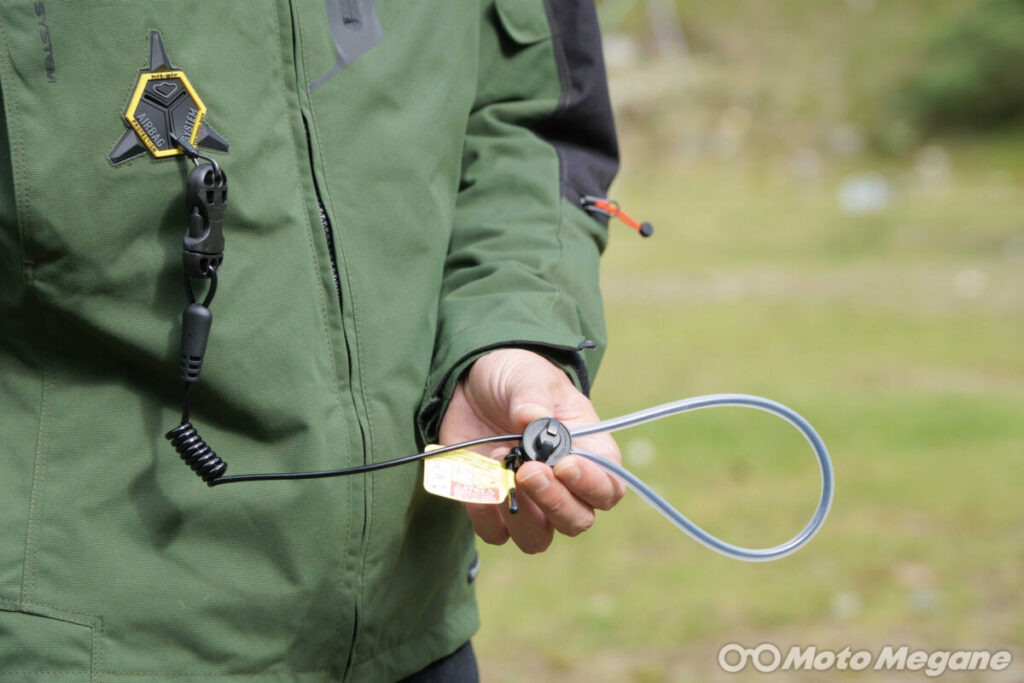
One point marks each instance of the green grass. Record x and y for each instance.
(756, 212)
(925, 533)
(911, 370)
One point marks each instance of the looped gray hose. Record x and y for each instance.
(676, 517)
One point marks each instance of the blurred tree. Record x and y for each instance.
(664, 25)
(973, 72)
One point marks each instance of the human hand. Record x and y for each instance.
(503, 392)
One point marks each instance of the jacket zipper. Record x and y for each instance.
(325, 222)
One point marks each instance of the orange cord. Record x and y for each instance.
(610, 207)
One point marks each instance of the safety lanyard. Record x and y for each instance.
(206, 195)
(545, 440)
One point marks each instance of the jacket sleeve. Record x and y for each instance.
(522, 264)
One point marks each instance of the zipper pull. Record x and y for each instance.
(610, 207)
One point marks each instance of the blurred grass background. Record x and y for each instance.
(823, 238)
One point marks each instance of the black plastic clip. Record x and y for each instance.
(546, 440)
(206, 199)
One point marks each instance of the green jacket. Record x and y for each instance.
(449, 161)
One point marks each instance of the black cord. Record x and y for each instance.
(186, 403)
(362, 468)
(211, 273)
(203, 251)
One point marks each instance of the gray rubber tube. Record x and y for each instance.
(676, 517)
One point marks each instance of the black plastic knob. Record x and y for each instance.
(547, 440)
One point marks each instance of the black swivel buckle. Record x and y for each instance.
(206, 196)
(545, 439)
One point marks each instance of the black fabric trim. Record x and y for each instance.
(458, 667)
(581, 129)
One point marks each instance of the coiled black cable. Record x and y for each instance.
(196, 453)
(202, 254)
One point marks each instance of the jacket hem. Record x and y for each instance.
(389, 665)
(412, 655)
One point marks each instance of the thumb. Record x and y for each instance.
(528, 405)
(521, 385)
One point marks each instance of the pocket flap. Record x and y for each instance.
(35, 643)
(525, 21)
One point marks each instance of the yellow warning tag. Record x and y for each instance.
(466, 476)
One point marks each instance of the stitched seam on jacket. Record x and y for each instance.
(300, 53)
(93, 622)
(565, 79)
(340, 252)
(28, 578)
(186, 674)
(97, 650)
(42, 434)
(367, 439)
(561, 61)
(18, 150)
(25, 256)
(309, 226)
(563, 296)
(21, 201)
(47, 673)
(404, 641)
(340, 249)
(49, 612)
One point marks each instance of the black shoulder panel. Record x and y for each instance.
(581, 127)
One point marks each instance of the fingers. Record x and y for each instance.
(494, 524)
(565, 512)
(560, 499)
(594, 484)
(529, 528)
(487, 523)
(588, 482)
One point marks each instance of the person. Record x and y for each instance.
(406, 260)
